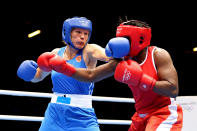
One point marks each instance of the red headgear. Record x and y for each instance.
(140, 37)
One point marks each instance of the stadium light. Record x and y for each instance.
(30, 35)
(195, 49)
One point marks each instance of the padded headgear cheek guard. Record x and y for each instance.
(140, 37)
(75, 22)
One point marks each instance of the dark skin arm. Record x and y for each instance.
(97, 74)
(167, 85)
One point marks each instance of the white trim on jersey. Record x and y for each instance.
(145, 57)
(153, 60)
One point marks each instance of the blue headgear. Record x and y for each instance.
(75, 22)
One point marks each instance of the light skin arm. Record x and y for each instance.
(167, 85)
(40, 74)
(92, 73)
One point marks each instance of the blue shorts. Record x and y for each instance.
(60, 117)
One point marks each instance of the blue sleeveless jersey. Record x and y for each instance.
(68, 85)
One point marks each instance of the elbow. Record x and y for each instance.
(166, 89)
(174, 91)
(174, 94)
(91, 76)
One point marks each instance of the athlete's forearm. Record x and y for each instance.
(39, 76)
(166, 88)
(97, 74)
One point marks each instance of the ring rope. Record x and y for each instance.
(189, 101)
(49, 95)
(39, 119)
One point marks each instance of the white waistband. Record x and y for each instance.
(76, 100)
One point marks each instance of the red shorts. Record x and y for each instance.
(169, 118)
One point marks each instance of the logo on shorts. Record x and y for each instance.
(127, 75)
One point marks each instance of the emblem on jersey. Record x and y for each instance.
(78, 58)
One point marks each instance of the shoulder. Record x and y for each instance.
(55, 51)
(161, 56)
(95, 52)
(160, 52)
(91, 48)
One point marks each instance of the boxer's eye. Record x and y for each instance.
(78, 32)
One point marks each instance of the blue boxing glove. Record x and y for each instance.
(117, 47)
(27, 70)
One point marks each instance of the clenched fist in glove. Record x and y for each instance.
(131, 73)
(117, 47)
(27, 70)
(49, 61)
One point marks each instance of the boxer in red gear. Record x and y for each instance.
(151, 76)
(155, 110)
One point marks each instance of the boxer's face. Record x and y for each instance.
(79, 37)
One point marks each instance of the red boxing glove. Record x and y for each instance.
(130, 72)
(60, 65)
(43, 61)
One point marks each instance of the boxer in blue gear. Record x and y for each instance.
(66, 112)
(68, 117)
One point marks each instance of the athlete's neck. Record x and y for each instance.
(70, 52)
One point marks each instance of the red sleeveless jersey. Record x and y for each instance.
(148, 101)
